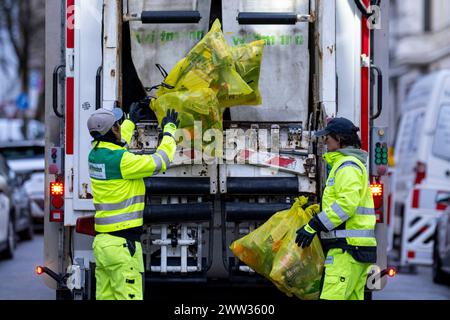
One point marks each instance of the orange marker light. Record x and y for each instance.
(39, 270)
(392, 272)
(56, 188)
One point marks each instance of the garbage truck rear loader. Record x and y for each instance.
(319, 61)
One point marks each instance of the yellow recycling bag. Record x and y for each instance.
(193, 105)
(258, 249)
(247, 60)
(297, 271)
(198, 111)
(212, 77)
(209, 64)
(272, 252)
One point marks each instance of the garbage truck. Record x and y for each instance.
(321, 59)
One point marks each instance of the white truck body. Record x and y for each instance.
(422, 165)
(312, 70)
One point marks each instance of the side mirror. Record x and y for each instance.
(3, 184)
(443, 198)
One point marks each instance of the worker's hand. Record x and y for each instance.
(313, 209)
(305, 236)
(138, 112)
(171, 117)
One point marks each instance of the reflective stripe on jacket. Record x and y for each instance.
(117, 179)
(348, 215)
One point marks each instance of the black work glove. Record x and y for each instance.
(139, 111)
(171, 117)
(305, 236)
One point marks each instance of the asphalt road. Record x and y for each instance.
(18, 280)
(414, 286)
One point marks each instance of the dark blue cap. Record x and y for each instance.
(338, 126)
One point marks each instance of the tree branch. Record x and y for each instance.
(7, 12)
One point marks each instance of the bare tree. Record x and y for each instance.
(23, 25)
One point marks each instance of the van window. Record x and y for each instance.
(441, 146)
(413, 124)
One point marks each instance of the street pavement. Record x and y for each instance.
(415, 286)
(18, 280)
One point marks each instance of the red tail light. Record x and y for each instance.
(421, 172)
(86, 225)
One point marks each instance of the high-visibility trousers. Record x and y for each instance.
(119, 268)
(344, 278)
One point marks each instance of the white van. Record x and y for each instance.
(422, 165)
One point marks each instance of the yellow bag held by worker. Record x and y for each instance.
(271, 251)
(297, 271)
(195, 105)
(257, 249)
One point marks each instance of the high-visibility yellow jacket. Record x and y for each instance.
(117, 179)
(348, 217)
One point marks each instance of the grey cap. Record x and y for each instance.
(102, 120)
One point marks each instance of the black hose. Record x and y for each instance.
(98, 88)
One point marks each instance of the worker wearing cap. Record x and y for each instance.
(346, 224)
(119, 195)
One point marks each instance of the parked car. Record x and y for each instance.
(26, 160)
(34, 188)
(20, 201)
(441, 248)
(12, 130)
(24, 156)
(7, 236)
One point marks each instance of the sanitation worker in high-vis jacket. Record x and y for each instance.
(119, 194)
(346, 225)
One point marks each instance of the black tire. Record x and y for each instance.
(439, 276)
(8, 253)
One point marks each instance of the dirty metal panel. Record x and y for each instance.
(284, 80)
(164, 44)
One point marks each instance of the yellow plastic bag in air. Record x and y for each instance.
(247, 60)
(199, 105)
(272, 252)
(194, 105)
(209, 64)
